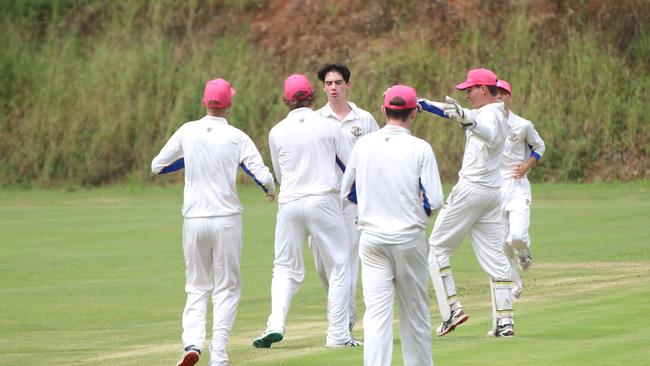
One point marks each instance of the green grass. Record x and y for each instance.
(95, 277)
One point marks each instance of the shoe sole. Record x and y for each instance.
(190, 359)
(458, 322)
(267, 340)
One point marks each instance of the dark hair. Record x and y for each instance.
(492, 89)
(340, 68)
(400, 114)
(300, 99)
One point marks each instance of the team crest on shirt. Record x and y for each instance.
(356, 131)
(513, 137)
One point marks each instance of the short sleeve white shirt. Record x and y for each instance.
(523, 142)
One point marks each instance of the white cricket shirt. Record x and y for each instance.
(397, 184)
(212, 151)
(306, 150)
(484, 147)
(356, 124)
(522, 143)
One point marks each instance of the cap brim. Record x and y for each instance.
(465, 85)
(233, 92)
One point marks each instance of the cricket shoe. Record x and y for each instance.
(457, 318)
(349, 343)
(267, 339)
(525, 260)
(190, 356)
(505, 331)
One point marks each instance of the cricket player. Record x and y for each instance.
(354, 123)
(474, 205)
(211, 150)
(523, 149)
(305, 148)
(393, 176)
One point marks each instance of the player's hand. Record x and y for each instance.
(519, 171)
(454, 111)
(270, 197)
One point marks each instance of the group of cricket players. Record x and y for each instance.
(351, 191)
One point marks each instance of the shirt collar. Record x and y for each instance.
(210, 118)
(396, 129)
(299, 110)
(354, 113)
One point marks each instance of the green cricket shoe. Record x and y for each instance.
(267, 339)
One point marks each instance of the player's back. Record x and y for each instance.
(388, 165)
(211, 150)
(303, 148)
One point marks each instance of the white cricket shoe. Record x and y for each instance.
(505, 331)
(457, 318)
(525, 260)
(349, 343)
(517, 290)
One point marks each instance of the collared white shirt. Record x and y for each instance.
(305, 148)
(212, 151)
(356, 124)
(397, 185)
(484, 146)
(523, 142)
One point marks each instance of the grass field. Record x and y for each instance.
(96, 278)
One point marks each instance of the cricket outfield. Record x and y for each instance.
(96, 277)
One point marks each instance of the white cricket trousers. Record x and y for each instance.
(515, 221)
(476, 211)
(386, 269)
(319, 216)
(350, 214)
(212, 250)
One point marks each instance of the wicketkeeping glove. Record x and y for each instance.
(454, 111)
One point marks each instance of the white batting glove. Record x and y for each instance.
(454, 111)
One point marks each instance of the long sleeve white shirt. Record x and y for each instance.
(397, 185)
(522, 143)
(306, 150)
(484, 147)
(212, 151)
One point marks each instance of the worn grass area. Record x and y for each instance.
(96, 278)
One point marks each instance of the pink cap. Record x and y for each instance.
(218, 94)
(400, 97)
(297, 83)
(478, 77)
(504, 85)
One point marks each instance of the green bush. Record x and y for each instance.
(91, 89)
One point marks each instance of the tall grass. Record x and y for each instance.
(91, 90)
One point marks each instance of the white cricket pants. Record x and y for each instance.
(319, 216)
(212, 250)
(476, 211)
(350, 214)
(515, 221)
(386, 269)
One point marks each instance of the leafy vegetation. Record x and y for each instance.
(92, 89)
